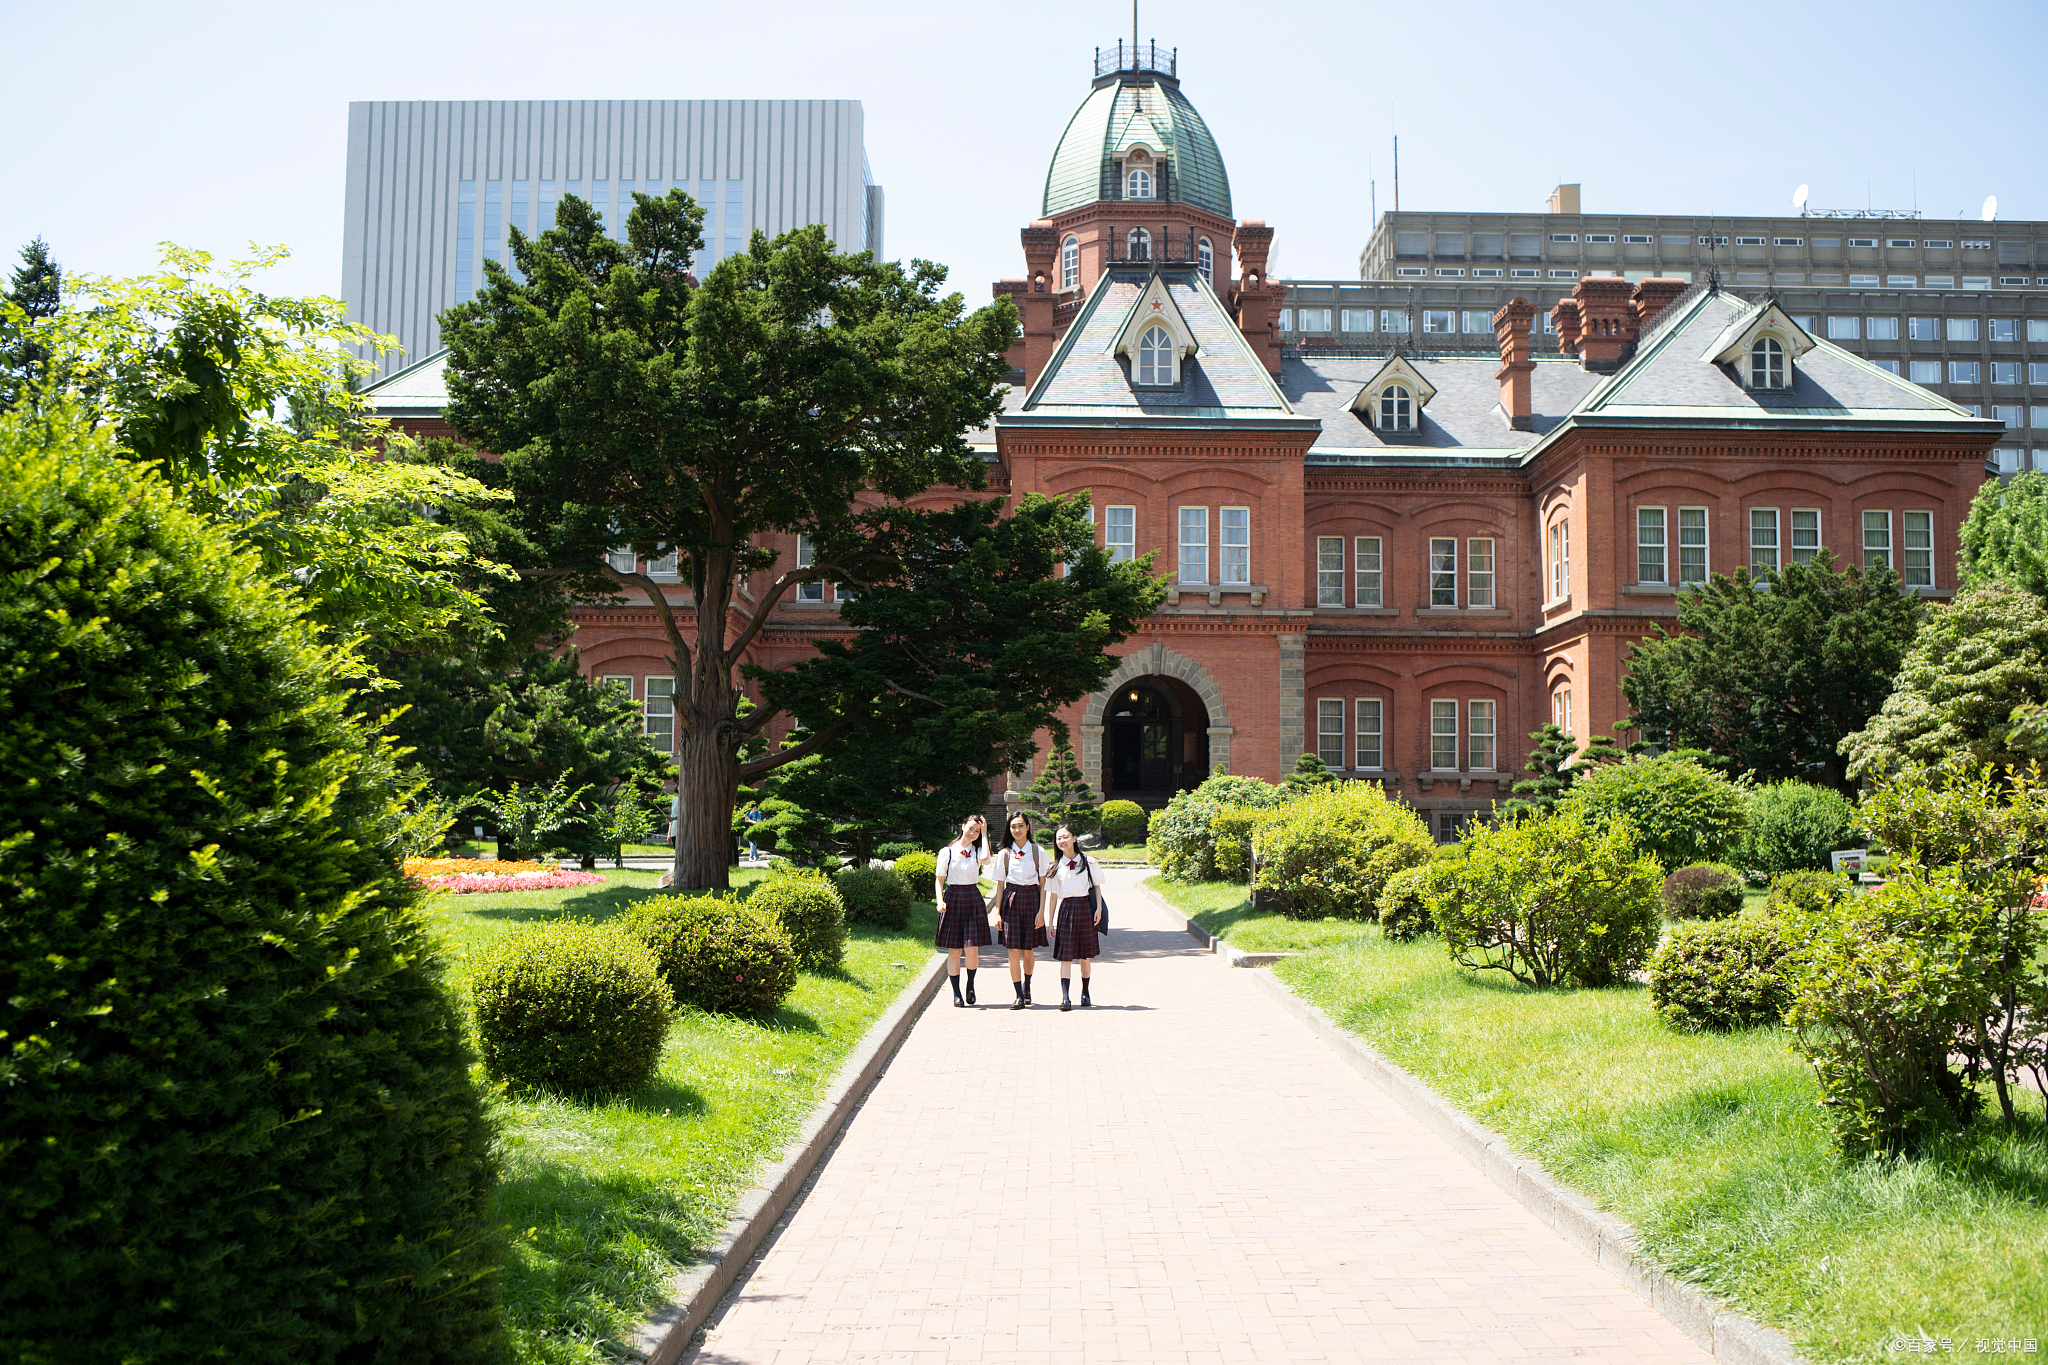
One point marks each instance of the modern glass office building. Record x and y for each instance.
(435, 185)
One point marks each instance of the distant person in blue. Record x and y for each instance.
(753, 817)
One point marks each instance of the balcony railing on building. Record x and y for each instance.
(1135, 56)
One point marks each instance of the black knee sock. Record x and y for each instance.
(1027, 985)
(1066, 987)
(1018, 987)
(970, 977)
(1084, 988)
(956, 985)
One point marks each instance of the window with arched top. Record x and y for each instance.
(1767, 364)
(1137, 184)
(1141, 245)
(1070, 263)
(1206, 255)
(1397, 409)
(1155, 357)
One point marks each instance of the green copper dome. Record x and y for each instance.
(1126, 108)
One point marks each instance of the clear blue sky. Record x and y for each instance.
(213, 124)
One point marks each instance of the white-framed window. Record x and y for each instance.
(1962, 329)
(1371, 734)
(1561, 710)
(1636, 239)
(1311, 319)
(1692, 545)
(1479, 573)
(2037, 415)
(1877, 540)
(1411, 271)
(2037, 329)
(1964, 372)
(1923, 329)
(1476, 322)
(665, 567)
(1853, 241)
(1286, 319)
(807, 555)
(1140, 245)
(1564, 236)
(1924, 371)
(2005, 329)
(1205, 256)
(1155, 357)
(621, 558)
(1355, 319)
(1486, 273)
(1976, 282)
(1437, 320)
(1365, 566)
(1788, 241)
(1844, 329)
(1763, 539)
(1609, 237)
(1560, 543)
(1917, 534)
(1767, 364)
(1450, 273)
(1939, 243)
(1330, 731)
(1393, 319)
(1137, 183)
(658, 713)
(2037, 371)
(1941, 281)
(2005, 371)
(1805, 534)
(1237, 546)
(1397, 409)
(621, 683)
(1070, 262)
(1194, 545)
(2008, 413)
(1443, 736)
(1564, 274)
(1479, 735)
(1651, 546)
(1443, 572)
(1888, 366)
(1525, 274)
(1881, 329)
(1329, 571)
(1120, 533)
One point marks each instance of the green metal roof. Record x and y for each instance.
(1128, 108)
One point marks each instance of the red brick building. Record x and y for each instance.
(1403, 562)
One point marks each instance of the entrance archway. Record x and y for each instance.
(1160, 726)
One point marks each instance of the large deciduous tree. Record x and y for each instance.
(1772, 672)
(2005, 537)
(795, 391)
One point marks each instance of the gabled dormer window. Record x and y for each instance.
(1155, 357)
(1397, 409)
(1767, 364)
(1137, 183)
(1141, 245)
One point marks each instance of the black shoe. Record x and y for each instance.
(970, 995)
(1065, 1006)
(958, 1003)
(1086, 1003)
(1018, 1003)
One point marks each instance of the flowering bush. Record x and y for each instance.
(423, 868)
(474, 883)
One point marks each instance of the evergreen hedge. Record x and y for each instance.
(573, 1007)
(811, 913)
(877, 896)
(239, 1123)
(716, 953)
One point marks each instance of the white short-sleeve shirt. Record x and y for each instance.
(959, 867)
(1022, 870)
(1070, 877)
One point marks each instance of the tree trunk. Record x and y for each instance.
(707, 780)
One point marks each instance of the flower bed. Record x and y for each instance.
(425, 868)
(472, 883)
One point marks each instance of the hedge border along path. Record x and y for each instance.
(1611, 1242)
(694, 1294)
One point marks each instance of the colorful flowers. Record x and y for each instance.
(472, 876)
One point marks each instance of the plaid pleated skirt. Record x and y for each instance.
(1077, 936)
(965, 921)
(1020, 911)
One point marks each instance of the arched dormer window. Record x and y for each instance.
(1767, 364)
(1397, 409)
(1155, 357)
(1137, 183)
(1070, 263)
(1141, 245)
(1206, 254)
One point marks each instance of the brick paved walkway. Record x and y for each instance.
(1180, 1174)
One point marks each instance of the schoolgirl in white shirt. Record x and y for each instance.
(1075, 914)
(1019, 869)
(963, 914)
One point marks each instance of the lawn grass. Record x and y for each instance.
(1225, 910)
(1714, 1148)
(606, 1201)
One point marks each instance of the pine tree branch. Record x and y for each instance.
(768, 763)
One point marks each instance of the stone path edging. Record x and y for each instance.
(1236, 957)
(1610, 1241)
(694, 1294)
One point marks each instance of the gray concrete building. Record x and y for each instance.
(1960, 306)
(435, 185)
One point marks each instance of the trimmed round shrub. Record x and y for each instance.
(238, 1113)
(811, 913)
(917, 871)
(889, 853)
(1807, 893)
(1676, 808)
(1795, 825)
(1703, 891)
(1179, 839)
(1404, 906)
(717, 953)
(1330, 852)
(876, 896)
(1553, 898)
(574, 1007)
(1123, 822)
(1720, 974)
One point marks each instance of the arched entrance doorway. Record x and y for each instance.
(1155, 738)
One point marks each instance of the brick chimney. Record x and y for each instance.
(1258, 299)
(1034, 297)
(1653, 297)
(1564, 316)
(1511, 325)
(1607, 325)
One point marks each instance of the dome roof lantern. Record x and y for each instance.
(1135, 104)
